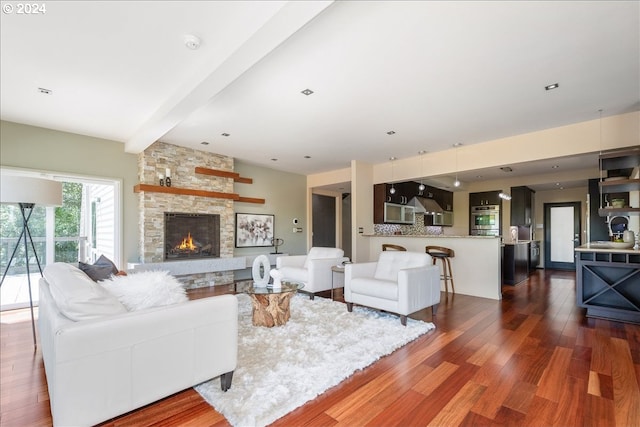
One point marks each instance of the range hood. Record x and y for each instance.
(425, 205)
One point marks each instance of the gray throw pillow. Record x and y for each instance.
(102, 269)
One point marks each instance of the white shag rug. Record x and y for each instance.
(282, 368)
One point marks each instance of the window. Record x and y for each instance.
(84, 227)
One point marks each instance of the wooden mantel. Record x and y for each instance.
(224, 174)
(138, 188)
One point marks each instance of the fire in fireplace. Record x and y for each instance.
(191, 236)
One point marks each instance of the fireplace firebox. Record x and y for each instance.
(189, 235)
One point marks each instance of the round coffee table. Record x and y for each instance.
(271, 306)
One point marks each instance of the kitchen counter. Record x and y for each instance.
(476, 265)
(431, 236)
(598, 247)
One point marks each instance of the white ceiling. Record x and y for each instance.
(436, 73)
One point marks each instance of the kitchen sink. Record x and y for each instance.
(605, 244)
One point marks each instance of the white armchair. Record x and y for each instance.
(313, 269)
(399, 282)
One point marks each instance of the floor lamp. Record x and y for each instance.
(28, 192)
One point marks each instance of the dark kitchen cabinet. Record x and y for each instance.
(485, 198)
(598, 229)
(381, 195)
(534, 258)
(522, 203)
(515, 262)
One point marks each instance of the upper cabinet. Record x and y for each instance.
(404, 192)
(485, 198)
(522, 203)
(620, 177)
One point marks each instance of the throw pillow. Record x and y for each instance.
(77, 296)
(102, 269)
(147, 289)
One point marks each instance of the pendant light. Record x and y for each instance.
(421, 187)
(600, 162)
(392, 190)
(456, 183)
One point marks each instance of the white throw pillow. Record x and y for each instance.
(146, 289)
(77, 296)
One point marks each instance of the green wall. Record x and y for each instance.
(31, 147)
(38, 148)
(284, 195)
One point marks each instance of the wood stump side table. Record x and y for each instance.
(271, 307)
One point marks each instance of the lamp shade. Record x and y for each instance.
(22, 189)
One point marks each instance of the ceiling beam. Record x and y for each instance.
(207, 84)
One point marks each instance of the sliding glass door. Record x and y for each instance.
(82, 229)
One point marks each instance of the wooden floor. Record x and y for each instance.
(532, 359)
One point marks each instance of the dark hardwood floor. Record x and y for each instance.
(532, 359)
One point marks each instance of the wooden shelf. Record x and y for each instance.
(192, 192)
(184, 191)
(618, 211)
(620, 186)
(224, 174)
(621, 159)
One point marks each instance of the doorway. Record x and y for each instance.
(562, 234)
(323, 221)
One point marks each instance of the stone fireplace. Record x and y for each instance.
(191, 235)
(152, 205)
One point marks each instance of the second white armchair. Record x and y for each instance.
(399, 282)
(313, 269)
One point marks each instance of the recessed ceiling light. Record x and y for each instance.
(191, 41)
(44, 91)
(392, 158)
(457, 144)
(506, 169)
(274, 160)
(204, 143)
(225, 134)
(307, 92)
(422, 152)
(555, 167)
(391, 132)
(552, 86)
(307, 157)
(478, 176)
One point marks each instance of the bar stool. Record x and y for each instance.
(443, 254)
(389, 246)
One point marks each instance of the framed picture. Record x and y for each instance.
(254, 230)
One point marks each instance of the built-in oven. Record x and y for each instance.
(485, 220)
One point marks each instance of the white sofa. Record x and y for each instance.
(313, 269)
(109, 361)
(399, 282)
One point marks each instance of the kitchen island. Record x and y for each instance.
(476, 265)
(608, 282)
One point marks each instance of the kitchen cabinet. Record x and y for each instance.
(485, 198)
(515, 262)
(608, 283)
(618, 166)
(598, 229)
(404, 192)
(534, 255)
(522, 203)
